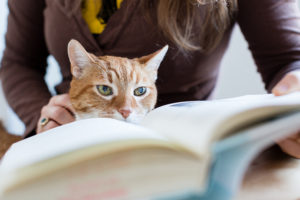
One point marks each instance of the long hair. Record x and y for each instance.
(176, 20)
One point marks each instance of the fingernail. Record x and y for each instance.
(282, 88)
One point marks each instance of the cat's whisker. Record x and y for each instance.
(122, 75)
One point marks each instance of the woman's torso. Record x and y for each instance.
(181, 76)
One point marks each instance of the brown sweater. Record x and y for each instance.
(37, 28)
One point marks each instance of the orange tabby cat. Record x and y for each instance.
(112, 87)
(6, 140)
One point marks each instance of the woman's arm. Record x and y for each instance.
(272, 29)
(24, 61)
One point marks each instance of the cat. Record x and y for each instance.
(111, 86)
(6, 140)
(107, 86)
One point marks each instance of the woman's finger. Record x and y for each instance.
(51, 124)
(58, 114)
(289, 83)
(62, 100)
(291, 147)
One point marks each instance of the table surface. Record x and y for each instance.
(273, 175)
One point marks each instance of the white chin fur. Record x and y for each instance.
(132, 118)
(85, 115)
(135, 120)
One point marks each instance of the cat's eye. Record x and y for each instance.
(140, 91)
(104, 90)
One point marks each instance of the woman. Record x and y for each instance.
(198, 33)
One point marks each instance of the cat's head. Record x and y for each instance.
(113, 87)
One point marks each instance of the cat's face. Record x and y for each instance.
(112, 87)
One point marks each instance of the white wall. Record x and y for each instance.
(3, 13)
(238, 74)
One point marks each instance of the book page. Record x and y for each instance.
(197, 124)
(74, 136)
(132, 174)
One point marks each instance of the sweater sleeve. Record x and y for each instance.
(272, 29)
(24, 61)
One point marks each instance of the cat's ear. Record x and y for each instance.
(79, 58)
(153, 60)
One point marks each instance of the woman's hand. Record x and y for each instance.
(57, 112)
(289, 83)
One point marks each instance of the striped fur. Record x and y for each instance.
(123, 75)
(6, 140)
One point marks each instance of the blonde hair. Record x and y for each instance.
(176, 19)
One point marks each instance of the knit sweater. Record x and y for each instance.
(38, 28)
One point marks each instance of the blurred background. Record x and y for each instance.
(237, 67)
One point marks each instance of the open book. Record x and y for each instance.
(187, 150)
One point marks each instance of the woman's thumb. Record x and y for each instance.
(289, 83)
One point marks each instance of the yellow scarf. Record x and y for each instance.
(90, 11)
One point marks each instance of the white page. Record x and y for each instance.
(70, 137)
(193, 124)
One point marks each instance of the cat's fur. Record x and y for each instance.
(6, 140)
(123, 75)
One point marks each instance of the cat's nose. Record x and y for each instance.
(125, 112)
